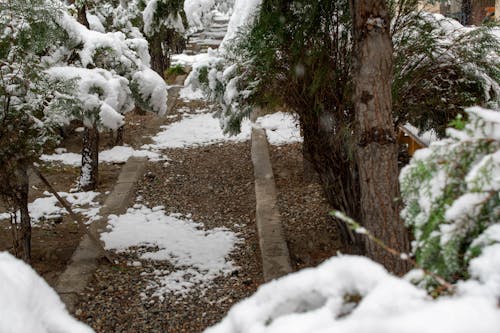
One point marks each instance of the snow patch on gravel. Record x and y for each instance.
(281, 128)
(204, 129)
(197, 255)
(189, 94)
(118, 154)
(47, 208)
(195, 130)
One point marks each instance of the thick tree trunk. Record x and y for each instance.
(376, 151)
(89, 173)
(24, 235)
(159, 62)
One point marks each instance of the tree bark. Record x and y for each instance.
(119, 135)
(466, 16)
(24, 236)
(376, 146)
(159, 62)
(89, 173)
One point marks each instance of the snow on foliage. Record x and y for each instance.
(121, 78)
(98, 90)
(162, 14)
(28, 304)
(458, 66)
(350, 294)
(450, 191)
(198, 13)
(198, 255)
(244, 13)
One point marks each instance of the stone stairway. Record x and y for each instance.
(211, 37)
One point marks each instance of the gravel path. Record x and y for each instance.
(310, 232)
(214, 185)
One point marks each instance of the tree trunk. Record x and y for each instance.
(376, 147)
(158, 61)
(24, 235)
(466, 14)
(90, 160)
(118, 140)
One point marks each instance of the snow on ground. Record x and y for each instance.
(204, 129)
(189, 60)
(47, 208)
(188, 94)
(118, 154)
(192, 131)
(197, 255)
(350, 294)
(281, 128)
(28, 304)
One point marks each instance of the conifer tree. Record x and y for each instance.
(31, 104)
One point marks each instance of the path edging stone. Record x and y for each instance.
(275, 255)
(83, 263)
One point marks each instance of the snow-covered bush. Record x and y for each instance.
(112, 52)
(31, 103)
(28, 304)
(224, 75)
(451, 196)
(53, 70)
(440, 67)
(349, 294)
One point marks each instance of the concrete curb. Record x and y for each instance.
(84, 260)
(274, 251)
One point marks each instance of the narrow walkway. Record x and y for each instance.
(208, 188)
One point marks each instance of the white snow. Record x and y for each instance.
(94, 23)
(48, 207)
(203, 129)
(281, 128)
(184, 59)
(117, 154)
(197, 255)
(192, 131)
(198, 13)
(188, 93)
(315, 301)
(153, 89)
(99, 91)
(244, 12)
(120, 154)
(28, 304)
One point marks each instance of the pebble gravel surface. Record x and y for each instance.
(213, 185)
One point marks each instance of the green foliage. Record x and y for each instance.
(175, 70)
(31, 104)
(440, 68)
(298, 53)
(450, 192)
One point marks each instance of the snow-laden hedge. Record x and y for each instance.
(350, 294)
(28, 304)
(451, 195)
